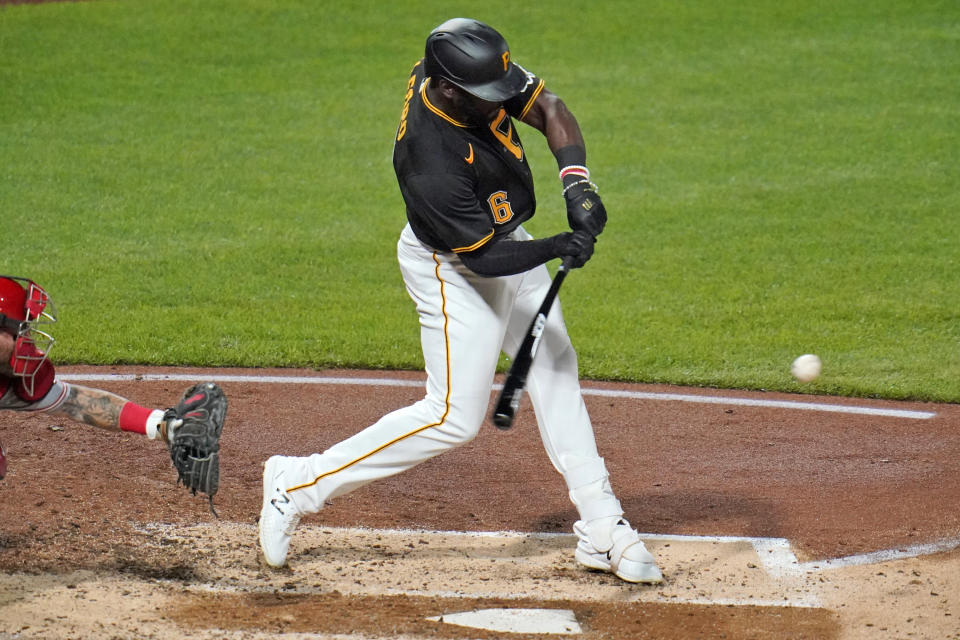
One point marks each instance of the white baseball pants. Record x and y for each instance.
(465, 321)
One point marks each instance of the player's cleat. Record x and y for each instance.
(622, 553)
(278, 516)
(3, 461)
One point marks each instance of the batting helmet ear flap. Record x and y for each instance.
(474, 57)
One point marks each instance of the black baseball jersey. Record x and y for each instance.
(463, 185)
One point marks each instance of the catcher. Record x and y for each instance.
(28, 382)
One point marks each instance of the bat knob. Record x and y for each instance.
(502, 421)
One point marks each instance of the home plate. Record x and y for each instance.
(559, 621)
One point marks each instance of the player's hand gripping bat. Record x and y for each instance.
(509, 399)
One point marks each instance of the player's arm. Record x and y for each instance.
(463, 224)
(508, 257)
(94, 407)
(550, 115)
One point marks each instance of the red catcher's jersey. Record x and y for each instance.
(463, 185)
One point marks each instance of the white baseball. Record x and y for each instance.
(806, 367)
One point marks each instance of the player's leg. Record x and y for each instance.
(553, 384)
(460, 334)
(461, 327)
(554, 390)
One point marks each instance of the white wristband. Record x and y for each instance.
(576, 170)
(153, 423)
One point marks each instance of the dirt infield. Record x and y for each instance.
(769, 521)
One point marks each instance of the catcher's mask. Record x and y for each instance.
(23, 306)
(474, 57)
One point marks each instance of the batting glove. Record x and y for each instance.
(578, 244)
(585, 210)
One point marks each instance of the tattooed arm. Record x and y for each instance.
(95, 407)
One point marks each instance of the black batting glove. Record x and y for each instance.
(577, 244)
(585, 210)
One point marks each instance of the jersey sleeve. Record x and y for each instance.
(518, 105)
(447, 206)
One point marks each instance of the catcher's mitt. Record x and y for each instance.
(193, 433)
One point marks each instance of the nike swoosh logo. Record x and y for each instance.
(469, 158)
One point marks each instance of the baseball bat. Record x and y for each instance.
(509, 399)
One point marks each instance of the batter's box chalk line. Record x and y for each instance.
(606, 393)
(691, 563)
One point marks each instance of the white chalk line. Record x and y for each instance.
(878, 557)
(606, 393)
(753, 402)
(775, 554)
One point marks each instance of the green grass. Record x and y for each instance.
(209, 183)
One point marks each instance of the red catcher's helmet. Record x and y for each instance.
(475, 57)
(23, 306)
(23, 300)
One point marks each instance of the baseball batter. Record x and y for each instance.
(477, 278)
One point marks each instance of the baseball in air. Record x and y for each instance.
(806, 367)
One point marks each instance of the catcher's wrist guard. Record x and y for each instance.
(192, 430)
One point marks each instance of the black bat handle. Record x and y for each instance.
(509, 400)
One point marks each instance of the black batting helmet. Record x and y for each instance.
(474, 57)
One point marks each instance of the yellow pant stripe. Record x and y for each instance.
(446, 411)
